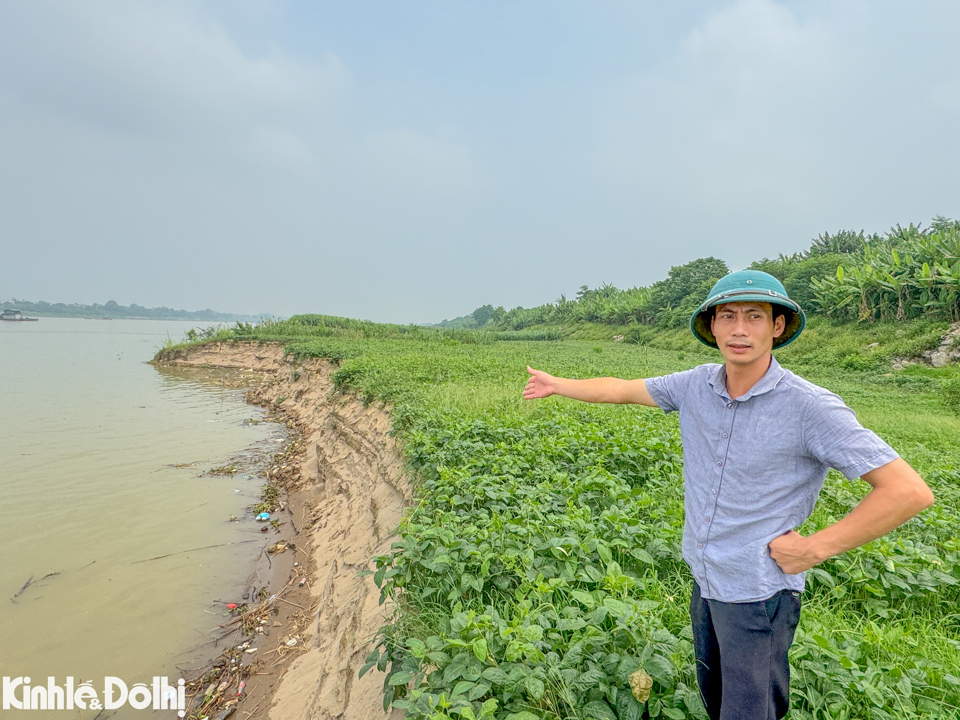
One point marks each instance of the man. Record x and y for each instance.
(757, 444)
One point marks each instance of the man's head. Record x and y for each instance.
(759, 289)
(746, 331)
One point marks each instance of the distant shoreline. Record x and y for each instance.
(112, 310)
(239, 318)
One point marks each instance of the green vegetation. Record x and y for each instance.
(269, 497)
(214, 333)
(112, 310)
(951, 395)
(666, 303)
(906, 273)
(540, 567)
(221, 470)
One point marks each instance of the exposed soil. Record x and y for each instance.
(344, 495)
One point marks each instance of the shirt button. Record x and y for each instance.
(729, 405)
(713, 490)
(719, 464)
(700, 545)
(708, 518)
(725, 435)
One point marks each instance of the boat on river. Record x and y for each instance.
(11, 315)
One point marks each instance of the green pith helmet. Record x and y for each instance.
(749, 286)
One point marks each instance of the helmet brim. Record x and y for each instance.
(793, 315)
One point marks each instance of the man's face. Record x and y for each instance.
(745, 331)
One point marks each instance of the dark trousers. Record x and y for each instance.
(741, 651)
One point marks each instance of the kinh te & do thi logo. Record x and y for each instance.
(114, 693)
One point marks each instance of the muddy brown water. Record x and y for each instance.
(102, 462)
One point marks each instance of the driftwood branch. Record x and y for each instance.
(180, 552)
(30, 581)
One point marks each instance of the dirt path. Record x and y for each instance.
(347, 494)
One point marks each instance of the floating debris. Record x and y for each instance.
(30, 581)
(222, 470)
(227, 712)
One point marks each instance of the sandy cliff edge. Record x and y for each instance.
(347, 496)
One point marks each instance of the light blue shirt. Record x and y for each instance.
(753, 468)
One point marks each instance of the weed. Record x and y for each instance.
(951, 395)
(269, 495)
(222, 470)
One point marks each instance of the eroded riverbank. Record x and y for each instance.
(345, 493)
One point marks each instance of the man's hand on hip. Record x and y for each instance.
(898, 494)
(793, 552)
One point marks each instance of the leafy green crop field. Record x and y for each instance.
(540, 567)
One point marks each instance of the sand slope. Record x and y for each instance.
(351, 490)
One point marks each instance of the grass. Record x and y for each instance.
(542, 561)
(213, 333)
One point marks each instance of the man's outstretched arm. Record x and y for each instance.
(595, 390)
(898, 494)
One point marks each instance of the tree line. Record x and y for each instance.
(111, 309)
(904, 273)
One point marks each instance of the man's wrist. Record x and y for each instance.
(557, 385)
(820, 547)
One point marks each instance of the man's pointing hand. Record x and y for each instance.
(539, 385)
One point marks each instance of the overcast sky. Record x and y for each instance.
(411, 161)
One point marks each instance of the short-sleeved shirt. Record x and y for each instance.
(753, 468)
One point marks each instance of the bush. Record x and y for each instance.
(951, 395)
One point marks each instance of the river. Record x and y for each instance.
(104, 464)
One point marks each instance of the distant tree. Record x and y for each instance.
(797, 275)
(941, 224)
(483, 314)
(844, 242)
(685, 287)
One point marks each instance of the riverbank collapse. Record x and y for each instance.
(345, 494)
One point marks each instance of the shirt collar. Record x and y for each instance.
(767, 383)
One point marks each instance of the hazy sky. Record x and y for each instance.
(411, 161)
